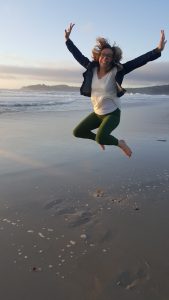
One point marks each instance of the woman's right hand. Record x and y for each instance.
(162, 41)
(68, 31)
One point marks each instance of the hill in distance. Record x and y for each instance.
(44, 87)
(151, 90)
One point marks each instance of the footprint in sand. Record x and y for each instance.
(53, 203)
(79, 218)
(60, 207)
(129, 279)
(64, 211)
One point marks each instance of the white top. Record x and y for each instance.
(104, 93)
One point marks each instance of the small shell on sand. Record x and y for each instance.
(41, 235)
(83, 236)
(72, 242)
(98, 193)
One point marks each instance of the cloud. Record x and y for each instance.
(155, 73)
(41, 73)
(150, 74)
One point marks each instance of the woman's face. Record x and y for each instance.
(106, 57)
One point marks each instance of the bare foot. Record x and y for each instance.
(102, 146)
(122, 144)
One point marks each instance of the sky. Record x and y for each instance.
(32, 44)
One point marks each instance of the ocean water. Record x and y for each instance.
(24, 101)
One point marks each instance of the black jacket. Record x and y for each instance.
(121, 71)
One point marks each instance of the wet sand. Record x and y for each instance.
(80, 223)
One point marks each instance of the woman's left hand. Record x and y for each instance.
(68, 31)
(162, 41)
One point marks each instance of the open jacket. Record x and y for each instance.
(122, 69)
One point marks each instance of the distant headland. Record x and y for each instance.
(151, 90)
(44, 87)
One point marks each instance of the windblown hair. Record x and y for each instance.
(103, 43)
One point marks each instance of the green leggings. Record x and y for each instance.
(105, 124)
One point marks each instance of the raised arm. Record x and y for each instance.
(147, 57)
(83, 60)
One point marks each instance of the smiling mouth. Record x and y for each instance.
(106, 63)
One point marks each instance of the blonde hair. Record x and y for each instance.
(102, 43)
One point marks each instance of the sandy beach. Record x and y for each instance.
(77, 222)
